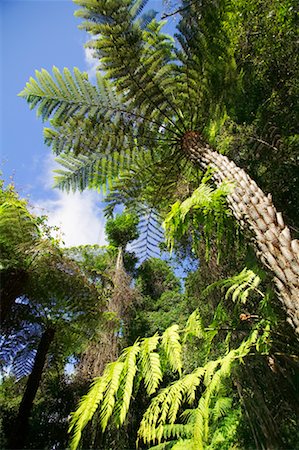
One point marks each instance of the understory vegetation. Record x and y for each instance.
(182, 332)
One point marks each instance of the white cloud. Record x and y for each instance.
(91, 63)
(78, 215)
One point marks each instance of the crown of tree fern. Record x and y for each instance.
(153, 95)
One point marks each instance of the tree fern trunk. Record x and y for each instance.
(12, 287)
(19, 434)
(257, 214)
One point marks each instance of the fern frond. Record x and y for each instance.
(17, 225)
(125, 390)
(241, 285)
(150, 363)
(222, 405)
(95, 171)
(172, 347)
(164, 408)
(112, 374)
(206, 206)
(150, 53)
(194, 326)
(184, 444)
(87, 407)
(65, 95)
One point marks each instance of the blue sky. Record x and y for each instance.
(38, 34)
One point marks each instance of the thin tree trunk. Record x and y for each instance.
(20, 431)
(12, 286)
(256, 214)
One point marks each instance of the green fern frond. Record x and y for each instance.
(94, 171)
(206, 206)
(17, 225)
(150, 363)
(149, 51)
(65, 95)
(222, 405)
(241, 285)
(112, 374)
(112, 392)
(87, 407)
(172, 347)
(184, 444)
(194, 327)
(125, 389)
(164, 408)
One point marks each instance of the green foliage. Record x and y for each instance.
(217, 75)
(112, 392)
(18, 228)
(155, 277)
(122, 229)
(206, 207)
(241, 285)
(125, 134)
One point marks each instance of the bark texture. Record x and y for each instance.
(256, 213)
(19, 435)
(107, 348)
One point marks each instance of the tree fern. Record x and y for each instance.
(166, 95)
(164, 420)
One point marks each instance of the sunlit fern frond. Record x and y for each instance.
(150, 365)
(87, 406)
(126, 382)
(173, 348)
(112, 392)
(166, 405)
(240, 286)
(113, 372)
(194, 327)
(222, 406)
(206, 206)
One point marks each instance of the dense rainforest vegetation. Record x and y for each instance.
(182, 332)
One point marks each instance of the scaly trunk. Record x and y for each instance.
(19, 433)
(257, 214)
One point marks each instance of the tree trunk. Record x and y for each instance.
(256, 214)
(19, 433)
(12, 287)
